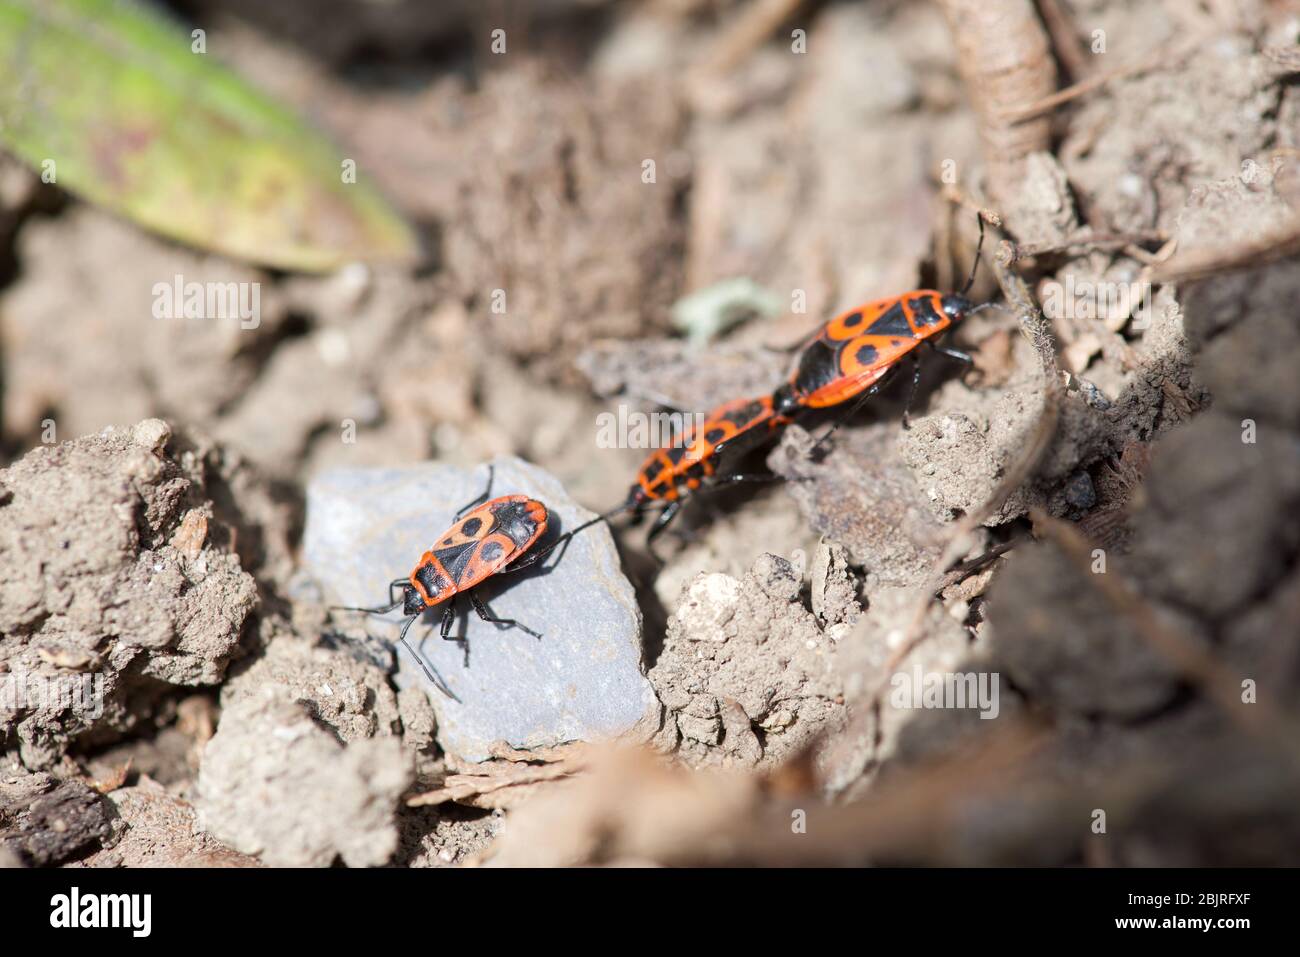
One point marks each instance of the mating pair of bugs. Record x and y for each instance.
(847, 359)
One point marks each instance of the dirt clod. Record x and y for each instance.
(274, 784)
(65, 821)
(100, 603)
(738, 659)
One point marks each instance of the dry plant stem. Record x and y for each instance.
(1200, 263)
(959, 197)
(1034, 327)
(1065, 39)
(457, 787)
(1113, 343)
(1099, 80)
(1005, 61)
(511, 769)
(1193, 662)
(1098, 241)
(1150, 260)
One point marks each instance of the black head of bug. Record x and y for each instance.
(412, 601)
(956, 307)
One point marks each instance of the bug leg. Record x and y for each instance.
(740, 478)
(429, 673)
(861, 400)
(660, 523)
(745, 478)
(911, 392)
(396, 602)
(532, 558)
(483, 497)
(951, 353)
(486, 614)
(448, 616)
(955, 354)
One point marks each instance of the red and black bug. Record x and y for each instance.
(489, 537)
(852, 354)
(694, 461)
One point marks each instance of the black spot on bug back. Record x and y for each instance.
(817, 366)
(746, 414)
(491, 551)
(471, 527)
(675, 454)
(714, 436)
(923, 311)
(853, 320)
(892, 322)
(866, 354)
(652, 470)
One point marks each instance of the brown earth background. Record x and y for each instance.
(1155, 696)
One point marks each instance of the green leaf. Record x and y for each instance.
(112, 94)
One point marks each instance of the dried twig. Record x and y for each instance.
(1003, 53)
(958, 196)
(1021, 251)
(1280, 243)
(479, 785)
(1027, 112)
(1065, 38)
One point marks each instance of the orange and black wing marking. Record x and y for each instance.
(738, 426)
(479, 545)
(668, 474)
(857, 347)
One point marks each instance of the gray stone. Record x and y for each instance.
(582, 680)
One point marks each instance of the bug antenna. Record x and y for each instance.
(616, 510)
(979, 245)
(429, 673)
(370, 611)
(604, 517)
